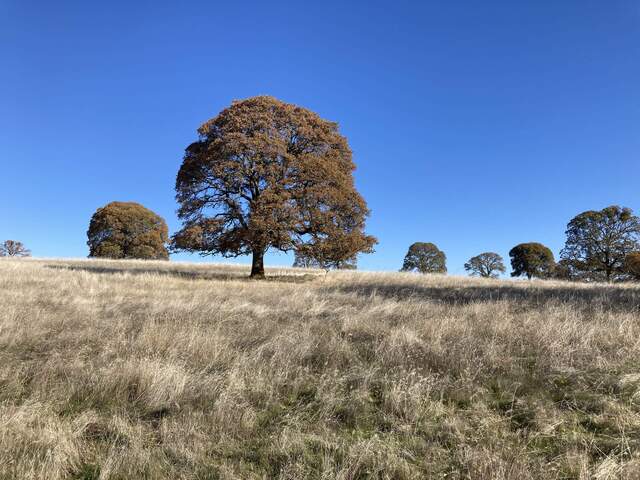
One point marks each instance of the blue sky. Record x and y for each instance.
(474, 125)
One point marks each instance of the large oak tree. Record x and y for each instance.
(267, 174)
(598, 242)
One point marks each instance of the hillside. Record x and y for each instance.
(131, 370)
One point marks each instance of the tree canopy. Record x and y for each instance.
(531, 259)
(13, 248)
(127, 230)
(267, 174)
(487, 265)
(424, 258)
(598, 242)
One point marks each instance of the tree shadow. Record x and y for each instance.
(187, 274)
(593, 298)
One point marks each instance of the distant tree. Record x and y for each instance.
(425, 258)
(267, 174)
(598, 242)
(531, 259)
(304, 260)
(632, 265)
(127, 230)
(12, 248)
(487, 265)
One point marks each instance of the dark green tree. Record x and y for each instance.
(598, 242)
(424, 258)
(487, 265)
(270, 175)
(127, 230)
(531, 259)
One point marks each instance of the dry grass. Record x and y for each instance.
(136, 370)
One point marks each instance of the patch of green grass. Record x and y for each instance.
(506, 399)
(207, 473)
(570, 392)
(271, 416)
(87, 472)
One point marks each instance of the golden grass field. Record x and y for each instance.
(151, 370)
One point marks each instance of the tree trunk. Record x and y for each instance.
(257, 263)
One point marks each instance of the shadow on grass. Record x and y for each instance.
(187, 274)
(596, 298)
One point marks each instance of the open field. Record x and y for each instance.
(150, 370)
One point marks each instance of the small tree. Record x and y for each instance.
(304, 260)
(531, 259)
(267, 174)
(598, 242)
(632, 265)
(425, 258)
(487, 265)
(127, 230)
(13, 248)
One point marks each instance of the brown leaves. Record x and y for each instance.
(271, 175)
(127, 230)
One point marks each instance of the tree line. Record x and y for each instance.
(264, 174)
(601, 245)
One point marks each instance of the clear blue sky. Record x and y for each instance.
(474, 125)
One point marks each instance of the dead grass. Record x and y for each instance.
(150, 370)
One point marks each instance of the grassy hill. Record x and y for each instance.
(136, 370)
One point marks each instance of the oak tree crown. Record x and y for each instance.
(531, 259)
(424, 258)
(598, 242)
(127, 230)
(268, 174)
(486, 265)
